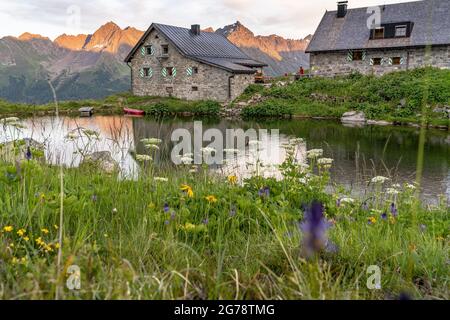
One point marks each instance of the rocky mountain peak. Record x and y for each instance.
(30, 36)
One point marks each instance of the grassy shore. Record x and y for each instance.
(174, 233)
(415, 96)
(420, 96)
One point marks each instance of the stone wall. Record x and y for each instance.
(334, 63)
(210, 83)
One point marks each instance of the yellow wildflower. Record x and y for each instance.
(189, 226)
(23, 260)
(57, 245)
(55, 226)
(14, 260)
(372, 220)
(211, 199)
(440, 238)
(8, 228)
(412, 247)
(392, 220)
(48, 248)
(188, 190)
(40, 242)
(44, 231)
(232, 179)
(21, 232)
(26, 238)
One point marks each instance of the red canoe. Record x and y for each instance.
(134, 112)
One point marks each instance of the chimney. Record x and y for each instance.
(195, 29)
(342, 9)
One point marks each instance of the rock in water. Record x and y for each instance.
(353, 116)
(101, 160)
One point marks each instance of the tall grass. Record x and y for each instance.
(147, 239)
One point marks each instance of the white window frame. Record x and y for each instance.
(402, 26)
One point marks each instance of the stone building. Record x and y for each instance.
(189, 64)
(382, 39)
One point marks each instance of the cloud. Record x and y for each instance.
(288, 18)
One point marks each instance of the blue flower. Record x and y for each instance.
(314, 229)
(205, 221)
(338, 203)
(173, 215)
(264, 192)
(394, 210)
(28, 154)
(384, 216)
(166, 207)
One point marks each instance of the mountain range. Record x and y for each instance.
(91, 66)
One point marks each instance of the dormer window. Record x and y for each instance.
(378, 33)
(392, 30)
(400, 31)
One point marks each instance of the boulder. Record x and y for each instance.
(101, 160)
(353, 116)
(17, 150)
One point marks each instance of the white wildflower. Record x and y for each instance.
(143, 157)
(160, 179)
(392, 191)
(314, 153)
(347, 200)
(152, 146)
(410, 186)
(151, 141)
(379, 179)
(295, 141)
(324, 161)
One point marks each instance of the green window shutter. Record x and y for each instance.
(174, 72)
(143, 51)
(389, 61)
(150, 72)
(350, 55)
(402, 60)
(364, 55)
(189, 72)
(164, 72)
(152, 50)
(371, 61)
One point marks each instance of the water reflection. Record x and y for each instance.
(358, 153)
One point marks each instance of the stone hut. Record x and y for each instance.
(381, 39)
(189, 64)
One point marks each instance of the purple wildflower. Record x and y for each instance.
(166, 222)
(28, 154)
(394, 210)
(338, 203)
(94, 198)
(365, 206)
(205, 221)
(264, 192)
(166, 207)
(173, 215)
(384, 216)
(314, 228)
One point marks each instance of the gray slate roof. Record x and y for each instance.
(208, 47)
(431, 20)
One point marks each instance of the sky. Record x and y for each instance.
(293, 19)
